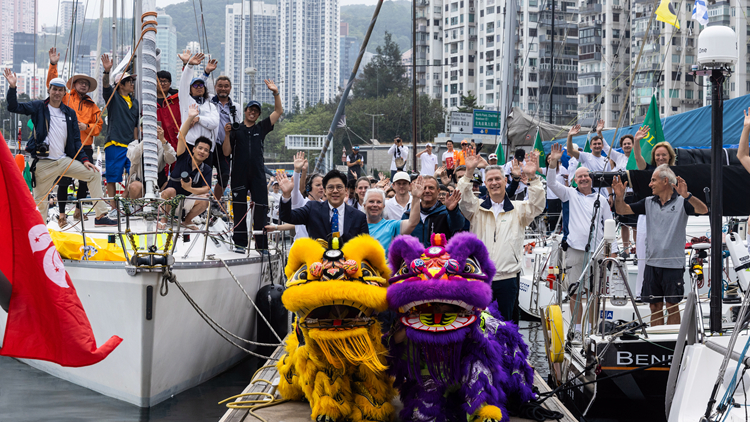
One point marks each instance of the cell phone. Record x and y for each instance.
(158, 123)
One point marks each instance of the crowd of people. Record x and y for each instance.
(201, 130)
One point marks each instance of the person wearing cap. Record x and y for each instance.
(354, 161)
(54, 146)
(450, 157)
(193, 90)
(461, 155)
(382, 229)
(500, 224)
(428, 161)
(395, 207)
(123, 114)
(248, 172)
(274, 196)
(89, 123)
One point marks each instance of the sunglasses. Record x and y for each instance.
(198, 85)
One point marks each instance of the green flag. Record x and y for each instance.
(538, 147)
(27, 177)
(500, 152)
(30, 124)
(653, 137)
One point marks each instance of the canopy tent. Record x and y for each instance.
(522, 129)
(689, 129)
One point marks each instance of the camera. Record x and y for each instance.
(42, 150)
(185, 176)
(604, 178)
(233, 111)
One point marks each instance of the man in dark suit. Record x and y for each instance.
(324, 220)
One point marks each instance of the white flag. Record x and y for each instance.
(700, 12)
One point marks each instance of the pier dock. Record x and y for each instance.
(300, 411)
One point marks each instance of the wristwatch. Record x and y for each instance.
(690, 195)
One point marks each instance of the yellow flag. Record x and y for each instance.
(665, 13)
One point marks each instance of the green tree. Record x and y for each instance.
(384, 74)
(468, 103)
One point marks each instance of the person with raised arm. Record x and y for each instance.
(436, 217)
(193, 90)
(666, 212)
(191, 176)
(123, 114)
(55, 141)
(89, 122)
(428, 161)
(582, 211)
(246, 146)
(501, 224)
(324, 220)
(384, 230)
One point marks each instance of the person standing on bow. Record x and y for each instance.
(248, 172)
(55, 141)
(89, 122)
(123, 114)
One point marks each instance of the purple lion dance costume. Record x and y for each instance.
(453, 359)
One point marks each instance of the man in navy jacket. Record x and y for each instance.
(54, 143)
(324, 220)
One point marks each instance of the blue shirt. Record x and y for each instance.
(384, 232)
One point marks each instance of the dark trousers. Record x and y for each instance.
(83, 187)
(242, 182)
(505, 292)
(554, 212)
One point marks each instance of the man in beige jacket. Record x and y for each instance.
(501, 223)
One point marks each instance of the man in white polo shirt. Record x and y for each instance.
(429, 161)
(582, 209)
(396, 206)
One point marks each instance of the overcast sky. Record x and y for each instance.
(48, 8)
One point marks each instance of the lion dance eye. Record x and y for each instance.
(472, 267)
(416, 266)
(451, 266)
(404, 269)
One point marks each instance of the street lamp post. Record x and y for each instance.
(251, 71)
(373, 122)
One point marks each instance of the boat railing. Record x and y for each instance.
(153, 257)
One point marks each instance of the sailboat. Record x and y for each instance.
(182, 301)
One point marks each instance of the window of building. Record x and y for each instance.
(471, 18)
(675, 58)
(490, 84)
(490, 27)
(481, 13)
(532, 32)
(454, 7)
(533, 17)
(674, 93)
(689, 94)
(615, 17)
(490, 98)
(454, 88)
(471, 72)
(533, 77)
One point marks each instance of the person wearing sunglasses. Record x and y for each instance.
(328, 219)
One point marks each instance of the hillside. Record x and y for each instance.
(395, 17)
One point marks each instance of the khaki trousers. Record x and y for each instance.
(47, 173)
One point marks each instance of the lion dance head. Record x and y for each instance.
(336, 294)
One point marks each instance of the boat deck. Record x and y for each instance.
(300, 411)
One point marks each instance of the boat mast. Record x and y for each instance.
(146, 65)
(114, 31)
(98, 45)
(509, 61)
(345, 94)
(414, 84)
(552, 62)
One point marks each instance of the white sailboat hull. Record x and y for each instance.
(167, 347)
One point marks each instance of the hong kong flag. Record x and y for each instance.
(45, 317)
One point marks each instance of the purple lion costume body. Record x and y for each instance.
(453, 358)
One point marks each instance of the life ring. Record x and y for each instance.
(554, 324)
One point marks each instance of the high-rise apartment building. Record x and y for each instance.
(348, 52)
(23, 49)
(250, 61)
(67, 10)
(429, 54)
(15, 16)
(603, 61)
(459, 50)
(166, 42)
(309, 50)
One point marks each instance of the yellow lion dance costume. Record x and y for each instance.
(334, 357)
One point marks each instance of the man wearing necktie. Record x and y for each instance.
(324, 220)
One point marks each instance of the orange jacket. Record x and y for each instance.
(85, 108)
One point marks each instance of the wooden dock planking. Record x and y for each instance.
(300, 411)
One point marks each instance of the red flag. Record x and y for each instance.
(45, 319)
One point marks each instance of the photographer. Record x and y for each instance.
(227, 116)
(54, 144)
(399, 154)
